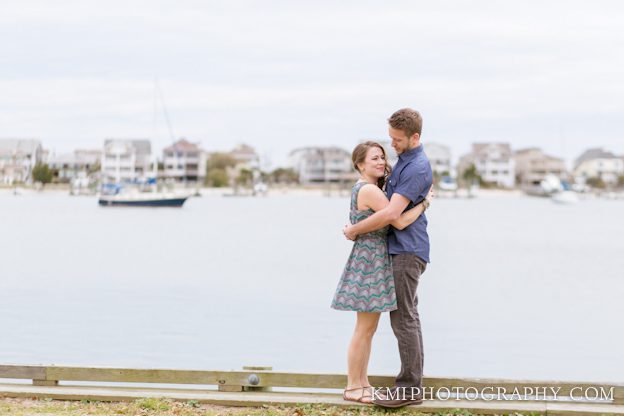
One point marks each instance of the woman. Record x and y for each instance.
(367, 284)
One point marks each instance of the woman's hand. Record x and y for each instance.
(348, 232)
(430, 195)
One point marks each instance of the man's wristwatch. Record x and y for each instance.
(426, 203)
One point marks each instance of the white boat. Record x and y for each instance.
(447, 184)
(114, 195)
(565, 197)
(143, 199)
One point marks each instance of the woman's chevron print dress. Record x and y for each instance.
(367, 284)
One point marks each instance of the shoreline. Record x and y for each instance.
(307, 191)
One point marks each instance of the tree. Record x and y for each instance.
(42, 173)
(221, 161)
(470, 175)
(281, 175)
(244, 178)
(437, 176)
(217, 178)
(95, 168)
(596, 182)
(621, 181)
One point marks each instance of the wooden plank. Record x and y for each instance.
(257, 399)
(564, 387)
(225, 387)
(255, 387)
(618, 394)
(22, 371)
(309, 380)
(266, 378)
(45, 382)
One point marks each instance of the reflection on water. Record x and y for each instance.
(518, 288)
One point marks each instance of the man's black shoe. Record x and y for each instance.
(396, 397)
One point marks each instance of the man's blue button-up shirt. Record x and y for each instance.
(412, 178)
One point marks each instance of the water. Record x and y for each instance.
(519, 287)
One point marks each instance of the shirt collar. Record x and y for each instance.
(410, 154)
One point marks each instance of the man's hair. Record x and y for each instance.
(407, 120)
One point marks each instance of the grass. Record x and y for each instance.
(164, 407)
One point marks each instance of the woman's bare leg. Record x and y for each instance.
(359, 351)
(364, 373)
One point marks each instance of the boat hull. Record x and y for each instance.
(169, 202)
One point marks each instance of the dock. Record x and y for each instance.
(258, 386)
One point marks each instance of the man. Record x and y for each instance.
(408, 185)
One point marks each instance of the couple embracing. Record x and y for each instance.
(390, 253)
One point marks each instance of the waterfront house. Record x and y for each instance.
(184, 161)
(322, 164)
(494, 162)
(439, 157)
(18, 157)
(533, 165)
(126, 160)
(246, 156)
(78, 164)
(598, 163)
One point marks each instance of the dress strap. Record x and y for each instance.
(354, 194)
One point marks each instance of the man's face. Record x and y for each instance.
(400, 141)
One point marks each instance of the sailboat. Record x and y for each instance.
(141, 193)
(117, 194)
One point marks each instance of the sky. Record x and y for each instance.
(280, 75)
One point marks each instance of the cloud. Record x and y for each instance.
(281, 74)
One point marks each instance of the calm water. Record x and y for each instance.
(518, 287)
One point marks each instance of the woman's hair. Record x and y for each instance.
(359, 155)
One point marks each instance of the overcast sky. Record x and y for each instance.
(281, 74)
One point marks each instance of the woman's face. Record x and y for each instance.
(374, 164)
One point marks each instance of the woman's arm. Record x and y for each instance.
(410, 215)
(370, 196)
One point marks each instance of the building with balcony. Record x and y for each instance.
(78, 164)
(126, 160)
(439, 157)
(493, 161)
(533, 165)
(184, 161)
(18, 157)
(322, 165)
(247, 156)
(599, 163)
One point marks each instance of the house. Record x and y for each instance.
(18, 157)
(533, 165)
(598, 163)
(322, 164)
(184, 161)
(80, 163)
(126, 160)
(493, 162)
(247, 156)
(439, 157)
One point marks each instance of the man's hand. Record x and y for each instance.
(348, 232)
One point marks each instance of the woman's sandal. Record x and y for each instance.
(368, 396)
(359, 399)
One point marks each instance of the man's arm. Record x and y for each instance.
(380, 219)
(411, 215)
